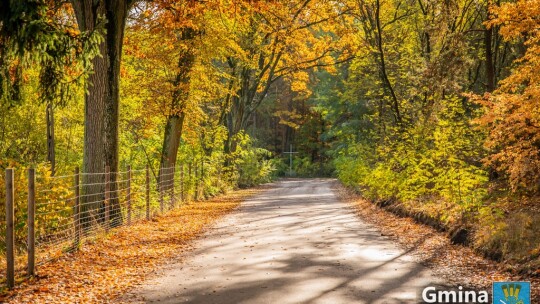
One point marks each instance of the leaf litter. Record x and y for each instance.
(105, 268)
(456, 264)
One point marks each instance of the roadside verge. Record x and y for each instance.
(106, 268)
(456, 264)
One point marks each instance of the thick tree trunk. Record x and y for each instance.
(101, 108)
(116, 13)
(94, 111)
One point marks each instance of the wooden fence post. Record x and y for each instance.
(10, 242)
(107, 197)
(147, 192)
(171, 182)
(31, 221)
(196, 180)
(129, 195)
(182, 182)
(160, 188)
(190, 177)
(202, 177)
(77, 209)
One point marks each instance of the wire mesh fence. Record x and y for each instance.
(53, 215)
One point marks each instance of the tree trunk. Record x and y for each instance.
(116, 13)
(171, 143)
(101, 108)
(230, 142)
(490, 68)
(384, 74)
(175, 120)
(237, 118)
(94, 111)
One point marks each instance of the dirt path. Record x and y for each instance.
(295, 243)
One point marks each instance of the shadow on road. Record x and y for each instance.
(296, 243)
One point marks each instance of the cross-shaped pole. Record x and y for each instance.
(290, 158)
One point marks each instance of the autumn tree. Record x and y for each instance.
(178, 25)
(277, 40)
(34, 33)
(38, 39)
(396, 111)
(512, 110)
(102, 99)
(185, 42)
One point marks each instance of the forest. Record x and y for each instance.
(427, 108)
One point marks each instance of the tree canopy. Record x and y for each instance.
(432, 104)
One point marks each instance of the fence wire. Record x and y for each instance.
(72, 208)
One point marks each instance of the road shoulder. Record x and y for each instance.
(456, 264)
(107, 267)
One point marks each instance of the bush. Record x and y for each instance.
(255, 165)
(304, 167)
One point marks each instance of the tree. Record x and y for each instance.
(511, 116)
(34, 33)
(178, 25)
(38, 37)
(178, 29)
(102, 101)
(278, 40)
(369, 13)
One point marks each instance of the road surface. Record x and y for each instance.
(295, 243)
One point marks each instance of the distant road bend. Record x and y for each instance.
(295, 243)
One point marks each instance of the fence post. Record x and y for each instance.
(10, 245)
(77, 209)
(171, 183)
(107, 196)
(129, 195)
(201, 182)
(182, 182)
(190, 177)
(30, 221)
(147, 192)
(196, 180)
(160, 187)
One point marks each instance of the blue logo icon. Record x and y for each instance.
(511, 293)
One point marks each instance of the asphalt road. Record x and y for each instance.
(295, 243)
